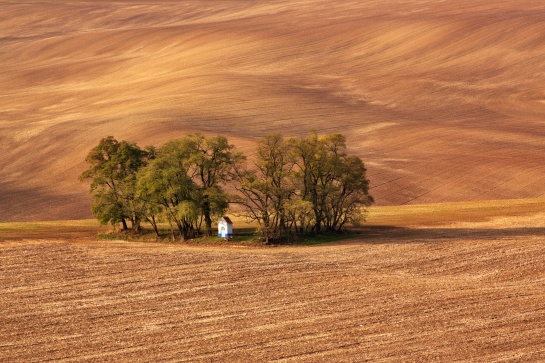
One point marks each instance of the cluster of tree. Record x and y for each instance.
(179, 183)
(291, 186)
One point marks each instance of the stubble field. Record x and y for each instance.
(471, 290)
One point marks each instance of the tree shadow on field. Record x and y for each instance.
(394, 234)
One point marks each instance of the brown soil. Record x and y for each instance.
(444, 100)
(471, 291)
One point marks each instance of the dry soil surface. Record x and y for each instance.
(443, 100)
(458, 292)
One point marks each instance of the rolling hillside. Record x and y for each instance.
(444, 101)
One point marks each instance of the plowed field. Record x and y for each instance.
(443, 100)
(469, 291)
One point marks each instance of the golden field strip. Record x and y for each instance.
(470, 290)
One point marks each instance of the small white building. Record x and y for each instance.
(225, 227)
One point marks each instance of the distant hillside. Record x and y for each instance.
(443, 100)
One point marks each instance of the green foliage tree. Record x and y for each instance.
(168, 189)
(148, 203)
(299, 216)
(210, 162)
(267, 186)
(293, 186)
(334, 183)
(303, 185)
(112, 171)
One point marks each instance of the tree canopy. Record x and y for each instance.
(112, 171)
(292, 186)
(303, 185)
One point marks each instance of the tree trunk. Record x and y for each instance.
(208, 225)
(154, 224)
(172, 233)
(181, 229)
(124, 223)
(207, 218)
(135, 224)
(318, 222)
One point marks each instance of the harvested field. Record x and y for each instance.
(467, 291)
(443, 100)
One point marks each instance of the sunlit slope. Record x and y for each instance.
(443, 100)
